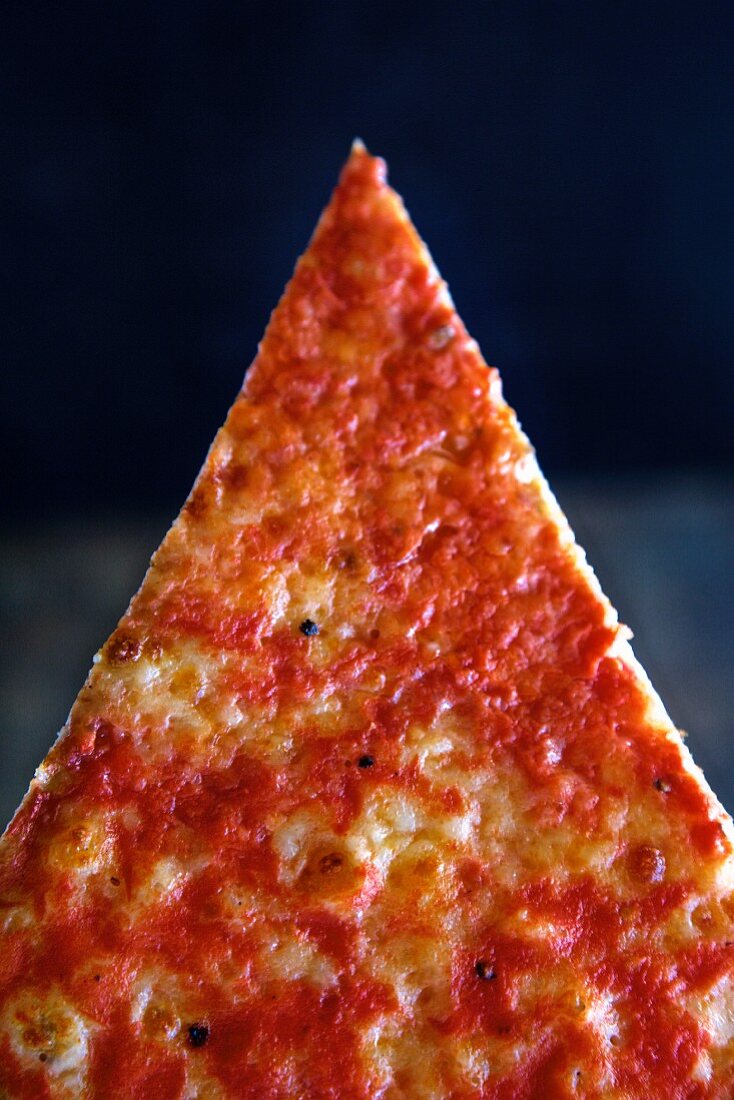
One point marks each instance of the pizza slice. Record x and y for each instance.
(367, 796)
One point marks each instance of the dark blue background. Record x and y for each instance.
(570, 165)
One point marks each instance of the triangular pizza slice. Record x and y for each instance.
(367, 796)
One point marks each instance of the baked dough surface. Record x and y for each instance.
(367, 796)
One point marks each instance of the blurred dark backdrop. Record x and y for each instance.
(570, 165)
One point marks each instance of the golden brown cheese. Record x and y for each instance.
(367, 796)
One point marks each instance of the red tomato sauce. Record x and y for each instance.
(462, 598)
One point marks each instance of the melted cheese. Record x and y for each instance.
(47, 1031)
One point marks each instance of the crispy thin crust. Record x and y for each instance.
(367, 795)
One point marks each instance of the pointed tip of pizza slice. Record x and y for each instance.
(367, 795)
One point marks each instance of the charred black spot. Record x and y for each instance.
(329, 863)
(484, 970)
(309, 628)
(42, 1056)
(97, 977)
(662, 785)
(198, 1035)
(114, 880)
(366, 761)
